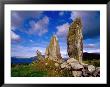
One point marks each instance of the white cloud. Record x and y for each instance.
(92, 50)
(76, 14)
(17, 17)
(61, 13)
(25, 51)
(14, 36)
(90, 46)
(39, 27)
(62, 30)
(64, 53)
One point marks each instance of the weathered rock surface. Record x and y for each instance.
(96, 73)
(71, 60)
(80, 69)
(91, 68)
(77, 73)
(74, 40)
(76, 66)
(53, 50)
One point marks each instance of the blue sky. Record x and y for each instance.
(32, 30)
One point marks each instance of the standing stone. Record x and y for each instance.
(53, 50)
(75, 40)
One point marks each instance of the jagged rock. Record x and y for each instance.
(91, 68)
(77, 73)
(76, 66)
(39, 55)
(96, 73)
(74, 40)
(53, 50)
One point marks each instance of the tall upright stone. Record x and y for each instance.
(75, 40)
(53, 50)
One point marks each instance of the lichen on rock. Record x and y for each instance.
(74, 40)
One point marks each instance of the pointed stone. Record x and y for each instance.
(75, 40)
(53, 50)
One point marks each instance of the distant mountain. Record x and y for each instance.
(91, 56)
(86, 56)
(15, 60)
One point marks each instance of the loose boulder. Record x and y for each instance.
(91, 68)
(77, 73)
(71, 60)
(76, 66)
(96, 73)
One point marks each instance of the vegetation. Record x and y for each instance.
(93, 62)
(40, 68)
(44, 68)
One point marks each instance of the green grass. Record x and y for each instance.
(44, 68)
(26, 71)
(93, 62)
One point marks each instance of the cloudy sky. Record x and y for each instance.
(32, 30)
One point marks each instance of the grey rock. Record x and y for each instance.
(71, 60)
(76, 66)
(96, 73)
(91, 68)
(53, 50)
(85, 73)
(77, 73)
(75, 40)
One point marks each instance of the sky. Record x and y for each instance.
(32, 30)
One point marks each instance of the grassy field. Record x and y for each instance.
(44, 68)
(41, 68)
(93, 62)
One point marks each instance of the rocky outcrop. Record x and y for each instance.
(53, 50)
(80, 70)
(74, 40)
(39, 55)
(74, 64)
